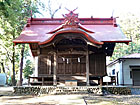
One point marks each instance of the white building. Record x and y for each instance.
(126, 70)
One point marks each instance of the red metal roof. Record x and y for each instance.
(97, 30)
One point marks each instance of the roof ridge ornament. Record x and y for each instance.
(71, 19)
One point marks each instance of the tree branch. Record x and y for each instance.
(7, 52)
(51, 12)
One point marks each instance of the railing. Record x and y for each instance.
(40, 81)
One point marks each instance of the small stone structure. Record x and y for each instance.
(95, 90)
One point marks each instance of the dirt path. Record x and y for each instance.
(8, 98)
(43, 100)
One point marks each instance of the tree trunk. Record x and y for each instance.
(21, 63)
(13, 62)
(2, 65)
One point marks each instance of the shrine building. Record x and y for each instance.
(71, 48)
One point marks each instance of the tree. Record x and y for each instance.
(29, 68)
(10, 9)
(14, 14)
(29, 9)
(51, 10)
(130, 25)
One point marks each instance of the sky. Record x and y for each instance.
(95, 8)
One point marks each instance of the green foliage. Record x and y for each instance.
(28, 70)
(13, 17)
(130, 25)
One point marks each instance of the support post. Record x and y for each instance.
(42, 81)
(36, 66)
(87, 68)
(101, 81)
(49, 64)
(54, 72)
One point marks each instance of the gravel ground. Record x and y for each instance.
(113, 100)
(8, 98)
(70, 100)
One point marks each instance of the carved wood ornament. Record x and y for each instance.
(71, 19)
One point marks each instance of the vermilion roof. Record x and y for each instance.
(98, 30)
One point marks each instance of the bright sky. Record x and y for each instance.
(95, 8)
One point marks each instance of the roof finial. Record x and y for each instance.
(72, 10)
(71, 19)
(67, 9)
(75, 9)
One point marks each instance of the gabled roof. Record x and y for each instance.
(96, 30)
(131, 56)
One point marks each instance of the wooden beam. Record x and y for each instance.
(73, 52)
(87, 68)
(71, 46)
(54, 72)
(92, 44)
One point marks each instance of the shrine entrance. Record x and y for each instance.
(71, 59)
(72, 68)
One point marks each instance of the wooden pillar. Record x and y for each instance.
(87, 68)
(64, 67)
(49, 64)
(71, 66)
(54, 72)
(36, 66)
(101, 81)
(42, 81)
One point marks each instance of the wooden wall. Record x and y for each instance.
(97, 64)
(65, 67)
(71, 66)
(45, 65)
